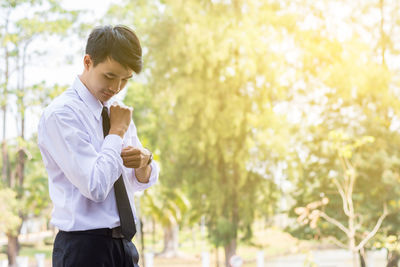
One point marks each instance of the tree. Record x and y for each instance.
(171, 209)
(223, 76)
(43, 19)
(347, 88)
(212, 91)
(8, 205)
(345, 181)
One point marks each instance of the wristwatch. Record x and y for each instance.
(151, 158)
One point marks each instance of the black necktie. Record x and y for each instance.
(128, 227)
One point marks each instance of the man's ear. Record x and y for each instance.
(87, 62)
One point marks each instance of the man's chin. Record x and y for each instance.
(104, 97)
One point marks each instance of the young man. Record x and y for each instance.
(94, 158)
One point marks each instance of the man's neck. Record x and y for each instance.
(82, 78)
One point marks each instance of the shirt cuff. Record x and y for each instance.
(114, 142)
(152, 179)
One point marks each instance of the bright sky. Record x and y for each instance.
(54, 68)
(61, 63)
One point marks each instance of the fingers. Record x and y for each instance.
(120, 118)
(133, 162)
(126, 149)
(132, 157)
(130, 151)
(116, 104)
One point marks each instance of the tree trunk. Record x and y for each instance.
(5, 166)
(170, 241)
(356, 259)
(230, 250)
(216, 257)
(362, 258)
(5, 171)
(393, 259)
(21, 167)
(12, 250)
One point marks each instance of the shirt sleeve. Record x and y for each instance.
(134, 184)
(62, 136)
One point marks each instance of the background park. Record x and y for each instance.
(276, 124)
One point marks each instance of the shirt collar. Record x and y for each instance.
(92, 102)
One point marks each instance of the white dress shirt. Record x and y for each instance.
(83, 165)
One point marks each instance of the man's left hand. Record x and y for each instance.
(135, 157)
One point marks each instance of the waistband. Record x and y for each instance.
(109, 232)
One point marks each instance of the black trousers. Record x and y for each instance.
(94, 248)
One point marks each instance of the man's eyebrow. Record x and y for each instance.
(114, 75)
(111, 74)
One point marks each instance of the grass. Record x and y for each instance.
(272, 241)
(30, 251)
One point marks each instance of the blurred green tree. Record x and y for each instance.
(348, 87)
(40, 19)
(212, 77)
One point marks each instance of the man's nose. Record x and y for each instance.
(115, 87)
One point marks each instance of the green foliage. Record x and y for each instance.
(167, 206)
(32, 196)
(352, 94)
(9, 217)
(25, 180)
(215, 74)
(206, 104)
(36, 198)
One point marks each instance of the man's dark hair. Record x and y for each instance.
(119, 43)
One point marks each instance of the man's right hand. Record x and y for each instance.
(120, 118)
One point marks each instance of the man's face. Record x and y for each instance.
(105, 79)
